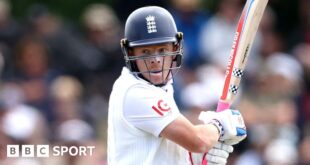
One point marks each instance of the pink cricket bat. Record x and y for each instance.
(246, 30)
(243, 39)
(241, 46)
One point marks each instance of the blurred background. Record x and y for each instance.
(59, 59)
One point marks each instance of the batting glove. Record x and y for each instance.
(218, 155)
(229, 122)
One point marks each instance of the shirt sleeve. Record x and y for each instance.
(149, 109)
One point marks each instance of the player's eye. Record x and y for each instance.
(162, 50)
(146, 52)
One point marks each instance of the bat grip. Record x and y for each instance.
(221, 106)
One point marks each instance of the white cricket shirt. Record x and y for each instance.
(138, 112)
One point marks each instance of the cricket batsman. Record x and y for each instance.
(145, 126)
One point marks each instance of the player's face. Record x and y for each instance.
(153, 65)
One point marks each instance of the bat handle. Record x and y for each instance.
(221, 106)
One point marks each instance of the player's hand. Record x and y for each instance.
(229, 122)
(218, 155)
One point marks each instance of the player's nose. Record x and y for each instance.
(156, 60)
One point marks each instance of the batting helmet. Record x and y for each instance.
(149, 26)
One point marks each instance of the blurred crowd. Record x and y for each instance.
(56, 78)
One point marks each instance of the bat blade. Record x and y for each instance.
(243, 39)
(241, 46)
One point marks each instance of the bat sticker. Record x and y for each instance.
(233, 89)
(237, 72)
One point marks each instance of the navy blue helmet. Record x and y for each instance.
(149, 26)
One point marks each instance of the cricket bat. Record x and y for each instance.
(244, 36)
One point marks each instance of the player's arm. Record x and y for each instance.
(152, 112)
(223, 126)
(195, 138)
(199, 138)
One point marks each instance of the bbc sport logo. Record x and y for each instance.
(29, 151)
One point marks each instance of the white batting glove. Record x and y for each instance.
(218, 155)
(229, 122)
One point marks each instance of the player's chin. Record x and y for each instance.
(157, 78)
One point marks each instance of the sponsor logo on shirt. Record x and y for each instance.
(161, 108)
